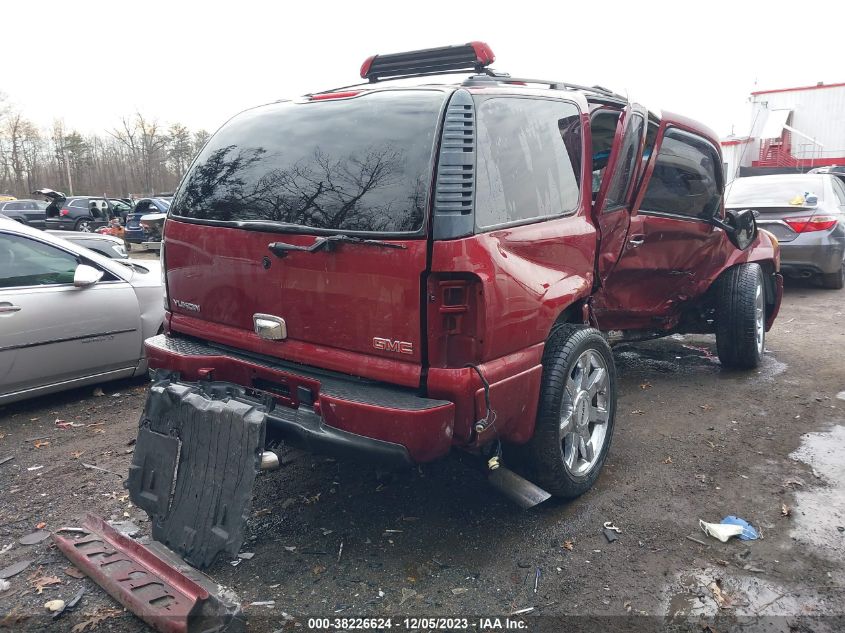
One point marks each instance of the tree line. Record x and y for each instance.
(138, 157)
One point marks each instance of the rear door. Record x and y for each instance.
(612, 206)
(35, 213)
(672, 251)
(264, 229)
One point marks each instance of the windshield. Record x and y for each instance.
(360, 164)
(773, 190)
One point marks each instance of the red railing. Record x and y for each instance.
(776, 152)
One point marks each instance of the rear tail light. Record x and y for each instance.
(454, 320)
(811, 223)
(64, 212)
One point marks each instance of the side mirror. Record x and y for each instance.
(85, 276)
(740, 225)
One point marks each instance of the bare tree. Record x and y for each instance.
(137, 158)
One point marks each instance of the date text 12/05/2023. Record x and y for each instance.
(418, 623)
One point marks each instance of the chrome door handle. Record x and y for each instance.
(9, 308)
(636, 241)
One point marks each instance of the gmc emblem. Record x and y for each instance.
(388, 345)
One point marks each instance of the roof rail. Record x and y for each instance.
(556, 85)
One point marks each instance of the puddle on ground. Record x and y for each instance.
(679, 354)
(819, 511)
(695, 594)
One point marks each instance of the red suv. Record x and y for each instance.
(388, 272)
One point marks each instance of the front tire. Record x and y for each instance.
(576, 411)
(741, 317)
(834, 281)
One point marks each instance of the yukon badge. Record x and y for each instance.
(389, 345)
(185, 305)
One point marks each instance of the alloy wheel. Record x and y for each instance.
(585, 413)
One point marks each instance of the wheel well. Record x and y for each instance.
(573, 313)
(768, 282)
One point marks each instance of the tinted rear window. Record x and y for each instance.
(361, 164)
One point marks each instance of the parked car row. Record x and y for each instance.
(89, 214)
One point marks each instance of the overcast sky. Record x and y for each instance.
(198, 63)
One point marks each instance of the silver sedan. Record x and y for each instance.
(69, 316)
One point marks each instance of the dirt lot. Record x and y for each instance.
(692, 442)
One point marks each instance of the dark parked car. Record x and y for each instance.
(31, 212)
(387, 272)
(806, 213)
(134, 232)
(76, 213)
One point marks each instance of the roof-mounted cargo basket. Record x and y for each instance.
(474, 56)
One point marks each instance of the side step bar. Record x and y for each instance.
(147, 584)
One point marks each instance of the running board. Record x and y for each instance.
(157, 587)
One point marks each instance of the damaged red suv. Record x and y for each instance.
(387, 272)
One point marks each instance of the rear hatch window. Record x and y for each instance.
(353, 165)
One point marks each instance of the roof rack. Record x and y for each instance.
(428, 61)
(451, 60)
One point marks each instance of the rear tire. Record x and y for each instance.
(84, 225)
(834, 281)
(741, 317)
(576, 412)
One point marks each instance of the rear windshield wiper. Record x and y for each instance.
(328, 243)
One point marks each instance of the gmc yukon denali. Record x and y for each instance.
(385, 272)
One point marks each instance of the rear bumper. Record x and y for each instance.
(317, 410)
(811, 253)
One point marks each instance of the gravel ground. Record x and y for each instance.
(334, 539)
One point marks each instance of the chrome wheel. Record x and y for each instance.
(760, 318)
(584, 414)
(84, 226)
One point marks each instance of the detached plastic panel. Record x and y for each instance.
(194, 466)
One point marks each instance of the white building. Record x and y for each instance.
(792, 129)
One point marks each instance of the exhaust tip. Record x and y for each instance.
(518, 489)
